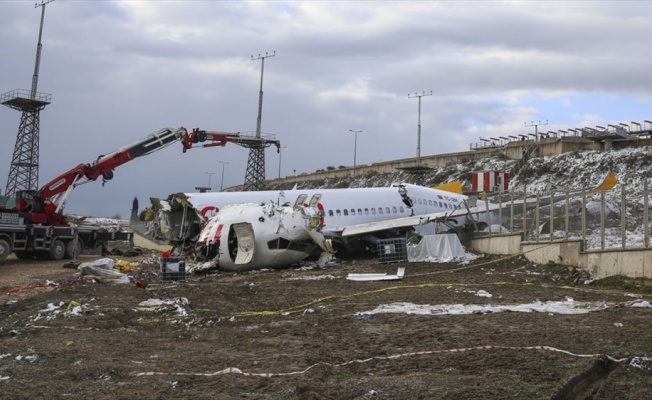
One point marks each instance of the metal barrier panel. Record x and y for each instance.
(173, 269)
(392, 250)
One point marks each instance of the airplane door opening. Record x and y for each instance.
(242, 245)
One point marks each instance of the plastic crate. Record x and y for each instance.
(173, 269)
(392, 250)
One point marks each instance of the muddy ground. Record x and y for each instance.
(309, 334)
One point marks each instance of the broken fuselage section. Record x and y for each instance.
(240, 237)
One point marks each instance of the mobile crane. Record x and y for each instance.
(32, 223)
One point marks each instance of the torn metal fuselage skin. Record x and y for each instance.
(243, 237)
(240, 237)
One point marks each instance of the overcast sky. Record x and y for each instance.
(119, 70)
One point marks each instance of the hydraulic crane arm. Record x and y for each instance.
(222, 138)
(57, 190)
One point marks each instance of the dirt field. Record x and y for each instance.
(311, 334)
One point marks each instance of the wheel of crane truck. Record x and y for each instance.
(73, 249)
(57, 250)
(5, 249)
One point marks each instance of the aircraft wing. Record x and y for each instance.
(417, 220)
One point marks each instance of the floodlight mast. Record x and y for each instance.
(24, 167)
(419, 96)
(38, 48)
(255, 174)
(536, 126)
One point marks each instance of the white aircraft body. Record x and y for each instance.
(267, 229)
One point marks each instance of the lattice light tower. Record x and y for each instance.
(255, 175)
(23, 173)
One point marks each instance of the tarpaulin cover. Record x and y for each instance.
(438, 248)
(103, 269)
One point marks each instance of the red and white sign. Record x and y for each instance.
(489, 181)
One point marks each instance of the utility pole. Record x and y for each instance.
(536, 126)
(255, 175)
(23, 172)
(419, 96)
(280, 154)
(210, 175)
(355, 147)
(222, 181)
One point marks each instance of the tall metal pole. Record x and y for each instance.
(24, 168)
(260, 93)
(222, 181)
(536, 126)
(38, 49)
(355, 147)
(255, 175)
(210, 175)
(419, 96)
(280, 155)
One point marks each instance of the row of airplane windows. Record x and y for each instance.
(386, 210)
(434, 203)
(366, 211)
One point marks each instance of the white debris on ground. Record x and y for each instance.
(311, 278)
(177, 304)
(551, 307)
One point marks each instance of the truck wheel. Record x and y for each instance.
(5, 249)
(57, 250)
(73, 249)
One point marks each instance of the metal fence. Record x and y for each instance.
(615, 219)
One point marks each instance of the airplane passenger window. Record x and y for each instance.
(394, 209)
(373, 210)
(366, 211)
(387, 210)
(338, 213)
(429, 202)
(353, 211)
(359, 211)
(380, 210)
(330, 213)
(419, 199)
(441, 205)
(346, 212)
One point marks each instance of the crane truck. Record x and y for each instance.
(32, 223)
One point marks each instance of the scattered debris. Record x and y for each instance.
(377, 277)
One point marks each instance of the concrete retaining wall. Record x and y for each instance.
(633, 263)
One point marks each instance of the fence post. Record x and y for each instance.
(552, 199)
(602, 220)
(646, 233)
(536, 219)
(584, 218)
(623, 211)
(566, 225)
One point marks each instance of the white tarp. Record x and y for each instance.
(103, 269)
(438, 248)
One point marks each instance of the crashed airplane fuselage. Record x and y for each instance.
(293, 221)
(244, 237)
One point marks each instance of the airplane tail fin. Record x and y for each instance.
(607, 184)
(453, 187)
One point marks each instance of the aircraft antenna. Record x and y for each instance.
(23, 173)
